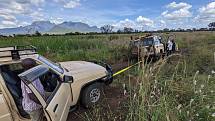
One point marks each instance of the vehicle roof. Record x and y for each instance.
(5, 61)
(13, 54)
(142, 38)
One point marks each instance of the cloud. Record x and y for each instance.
(7, 17)
(206, 13)
(37, 2)
(145, 21)
(69, 3)
(10, 9)
(37, 16)
(181, 5)
(125, 23)
(72, 4)
(8, 24)
(162, 22)
(57, 20)
(139, 23)
(177, 11)
(24, 23)
(33, 2)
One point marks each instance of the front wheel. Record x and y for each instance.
(91, 95)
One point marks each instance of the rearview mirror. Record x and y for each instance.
(68, 79)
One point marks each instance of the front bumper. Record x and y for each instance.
(109, 78)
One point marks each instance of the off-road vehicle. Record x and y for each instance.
(66, 83)
(147, 46)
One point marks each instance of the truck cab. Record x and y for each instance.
(148, 46)
(66, 84)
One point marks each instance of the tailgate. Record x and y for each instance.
(5, 114)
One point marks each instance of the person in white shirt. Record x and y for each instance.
(169, 47)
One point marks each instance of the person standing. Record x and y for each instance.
(173, 46)
(169, 46)
(30, 103)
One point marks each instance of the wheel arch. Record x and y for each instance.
(85, 86)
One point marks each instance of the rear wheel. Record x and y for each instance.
(91, 95)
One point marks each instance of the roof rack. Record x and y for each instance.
(14, 52)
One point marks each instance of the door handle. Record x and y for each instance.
(55, 108)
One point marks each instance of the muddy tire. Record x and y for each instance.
(92, 95)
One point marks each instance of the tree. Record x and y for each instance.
(194, 29)
(136, 31)
(166, 30)
(119, 31)
(106, 29)
(37, 33)
(212, 26)
(128, 30)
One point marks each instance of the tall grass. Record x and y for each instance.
(168, 94)
(63, 48)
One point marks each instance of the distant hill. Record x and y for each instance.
(66, 27)
(51, 28)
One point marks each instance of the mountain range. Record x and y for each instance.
(50, 28)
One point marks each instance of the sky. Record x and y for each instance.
(138, 14)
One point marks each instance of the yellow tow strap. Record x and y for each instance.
(125, 69)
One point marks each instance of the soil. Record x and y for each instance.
(113, 100)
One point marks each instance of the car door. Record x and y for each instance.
(58, 104)
(58, 108)
(158, 46)
(5, 114)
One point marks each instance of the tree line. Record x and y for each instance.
(109, 29)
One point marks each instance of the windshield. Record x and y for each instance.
(148, 41)
(51, 64)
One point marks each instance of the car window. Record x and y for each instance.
(51, 82)
(49, 79)
(148, 41)
(51, 64)
(157, 42)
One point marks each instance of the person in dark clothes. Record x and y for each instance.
(173, 46)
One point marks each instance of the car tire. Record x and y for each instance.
(92, 95)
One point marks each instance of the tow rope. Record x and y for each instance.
(125, 69)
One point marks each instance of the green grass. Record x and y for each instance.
(63, 48)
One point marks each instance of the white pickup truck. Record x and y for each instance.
(67, 84)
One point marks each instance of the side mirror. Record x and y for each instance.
(58, 64)
(68, 79)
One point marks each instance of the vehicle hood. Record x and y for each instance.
(82, 70)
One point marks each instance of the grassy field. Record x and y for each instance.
(179, 88)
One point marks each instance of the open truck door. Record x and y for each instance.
(57, 105)
(5, 114)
